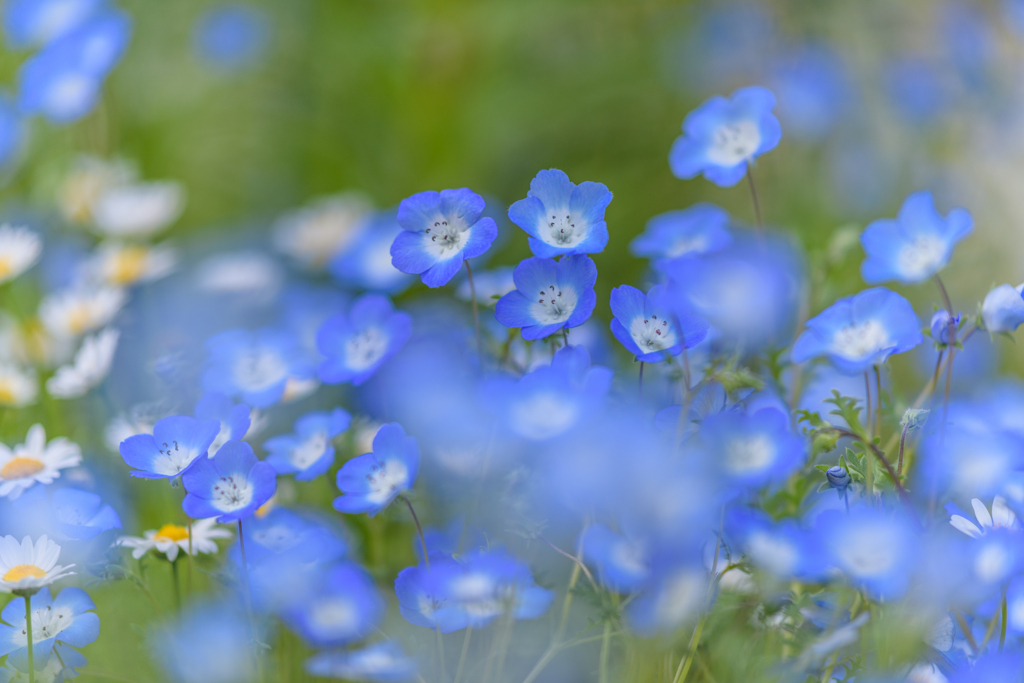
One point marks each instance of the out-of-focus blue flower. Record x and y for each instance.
(675, 595)
(418, 600)
(940, 326)
(969, 39)
(722, 136)
(286, 531)
(550, 400)
(648, 327)
(859, 331)
(969, 462)
(231, 36)
(34, 23)
(305, 308)
(12, 130)
(989, 668)
(371, 481)
(813, 91)
(1013, 12)
(66, 619)
(308, 452)
(366, 262)
(229, 486)
(344, 608)
(753, 450)
(1003, 309)
(234, 418)
(725, 43)
(175, 445)
(549, 295)
(63, 81)
(257, 366)
(994, 559)
(780, 548)
(358, 342)
(440, 231)
(856, 160)
(873, 548)
(917, 88)
(81, 515)
(561, 217)
(915, 245)
(698, 229)
(623, 562)
(208, 643)
(382, 662)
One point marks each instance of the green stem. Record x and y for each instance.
(606, 637)
(476, 314)
(177, 584)
(28, 633)
(419, 529)
(440, 655)
(465, 651)
(687, 661)
(758, 217)
(189, 579)
(641, 383)
(878, 403)
(1002, 627)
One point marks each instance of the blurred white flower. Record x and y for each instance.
(19, 386)
(89, 179)
(19, 250)
(120, 265)
(91, 366)
(313, 234)
(170, 539)
(139, 209)
(76, 311)
(240, 272)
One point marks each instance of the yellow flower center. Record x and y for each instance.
(7, 395)
(79, 320)
(6, 269)
(264, 510)
(23, 571)
(129, 264)
(20, 467)
(171, 532)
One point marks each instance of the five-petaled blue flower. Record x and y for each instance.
(441, 230)
(859, 331)
(753, 450)
(383, 661)
(723, 136)
(230, 486)
(344, 607)
(308, 452)
(65, 619)
(549, 295)
(356, 343)
(1003, 309)
(648, 327)
(561, 217)
(915, 245)
(673, 235)
(257, 366)
(371, 481)
(175, 445)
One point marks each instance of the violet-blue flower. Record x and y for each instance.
(940, 327)
(1003, 309)
(371, 481)
(344, 608)
(561, 217)
(308, 453)
(550, 295)
(649, 328)
(753, 450)
(698, 229)
(258, 366)
(356, 343)
(176, 444)
(67, 618)
(230, 486)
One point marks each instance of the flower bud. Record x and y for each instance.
(838, 477)
(1003, 309)
(940, 326)
(914, 418)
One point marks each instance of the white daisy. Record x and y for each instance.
(35, 461)
(26, 567)
(120, 265)
(1002, 517)
(313, 234)
(76, 311)
(170, 539)
(18, 385)
(91, 366)
(19, 250)
(89, 179)
(138, 209)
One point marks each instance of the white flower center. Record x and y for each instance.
(232, 492)
(860, 340)
(276, 538)
(447, 236)
(309, 451)
(543, 415)
(563, 229)
(173, 458)
(652, 333)
(387, 481)
(922, 257)
(554, 304)
(259, 369)
(365, 349)
(867, 553)
(749, 454)
(771, 553)
(47, 622)
(685, 245)
(680, 598)
(336, 616)
(734, 142)
(992, 563)
(630, 557)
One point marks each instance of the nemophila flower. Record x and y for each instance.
(382, 662)
(67, 618)
(137, 209)
(1001, 517)
(674, 595)
(345, 608)
(79, 515)
(209, 643)
(48, 669)
(287, 532)
(873, 548)
(308, 453)
(314, 234)
(623, 563)
(561, 217)
(175, 445)
(722, 136)
(994, 559)
(813, 90)
(753, 450)
(648, 326)
(19, 250)
(35, 461)
(75, 311)
(19, 386)
(91, 366)
(549, 295)
(356, 343)
(121, 265)
(366, 263)
(420, 599)
(780, 548)
(231, 36)
(27, 566)
(939, 326)
(969, 462)
(698, 229)
(490, 285)
(235, 419)
(229, 486)
(33, 23)
(918, 89)
(262, 367)
(441, 230)
(1003, 309)
(915, 245)
(171, 539)
(859, 331)
(370, 482)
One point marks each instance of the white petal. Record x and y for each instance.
(981, 512)
(1002, 515)
(965, 525)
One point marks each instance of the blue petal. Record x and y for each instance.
(553, 188)
(409, 252)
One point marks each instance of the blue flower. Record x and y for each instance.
(366, 262)
(208, 643)
(419, 599)
(623, 563)
(260, 366)
(66, 619)
(722, 136)
(649, 328)
(343, 609)
(441, 230)
(229, 486)
(813, 90)
(781, 548)
(176, 444)
(371, 481)
(915, 245)
(970, 459)
(753, 450)
(382, 662)
(917, 88)
(674, 595)
(874, 549)
(308, 452)
(549, 295)
(34, 23)
(988, 668)
(81, 515)
(284, 531)
(859, 331)
(695, 230)
(940, 326)
(561, 217)
(231, 36)
(356, 343)
(1003, 309)
(234, 418)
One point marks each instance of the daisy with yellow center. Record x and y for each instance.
(27, 566)
(313, 234)
(19, 250)
(170, 539)
(18, 386)
(35, 461)
(87, 181)
(122, 265)
(90, 367)
(75, 311)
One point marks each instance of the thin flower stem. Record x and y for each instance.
(419, 529)
(28, 633)
(967, 631)
(440, 653)
(476, 313)
(177, 584)
(583, 567)
(885, 463)
(565, 337)
(758, 216)
(602, 671)
(687, 661)
(245, 572)
(1002, 627)
(878, 403)
(189, 579)
(641, 385)
(952, 350)
(867, 404)
(903, 445)
(465, 651)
